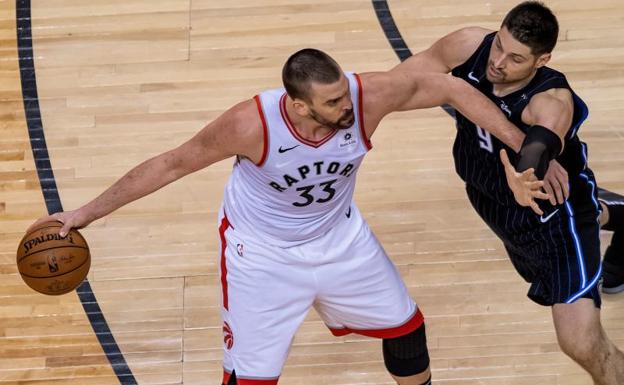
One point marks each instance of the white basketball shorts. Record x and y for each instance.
(267, 291)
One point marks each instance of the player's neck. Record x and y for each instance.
(306, 127)
(503, 89)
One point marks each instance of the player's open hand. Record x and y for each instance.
(524, 185)
(556, 183)
(70, 220)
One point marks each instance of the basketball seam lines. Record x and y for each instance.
(51, 248)
(58, 275)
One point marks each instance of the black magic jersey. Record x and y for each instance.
(476, 152)
(558, 252)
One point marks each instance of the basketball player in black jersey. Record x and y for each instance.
(558, 252)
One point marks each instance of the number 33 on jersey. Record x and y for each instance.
(300, 185)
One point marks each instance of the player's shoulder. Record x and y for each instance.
(244, 129)
(375, 88)
(553, 97)
(370, 80)
(458, 46)
(552, 87)
(549, 105)
(241, 127)
(246, 116)
(380, 86)
(471, 34)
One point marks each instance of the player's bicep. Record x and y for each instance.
(423, 90)
(391, 91)
(551, 112)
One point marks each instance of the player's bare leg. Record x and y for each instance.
(583, 339)
(423, 378)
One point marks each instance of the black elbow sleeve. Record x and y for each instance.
(540, 146)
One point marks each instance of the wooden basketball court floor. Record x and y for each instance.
(119, 81)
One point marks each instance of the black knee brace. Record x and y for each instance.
(407, 355)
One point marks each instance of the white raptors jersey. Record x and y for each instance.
(300, 189)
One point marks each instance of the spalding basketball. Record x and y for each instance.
(51, 264)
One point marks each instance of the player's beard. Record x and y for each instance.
(500, 77)
(345, 121)
(503, 77)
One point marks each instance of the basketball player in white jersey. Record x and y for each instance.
(291, 235)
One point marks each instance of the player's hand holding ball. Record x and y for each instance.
(52, 257)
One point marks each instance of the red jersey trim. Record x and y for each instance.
(265, 128)
(243, 381)
(412, 324)
(293, 131)
(367, 141)
(225, 223)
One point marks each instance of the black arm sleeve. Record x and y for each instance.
(540, 146)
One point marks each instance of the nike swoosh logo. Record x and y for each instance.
(544, 220)
(348, 213)
(472, 77)
(283, 150)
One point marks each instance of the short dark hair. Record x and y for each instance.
(533, 24)
(306, 66)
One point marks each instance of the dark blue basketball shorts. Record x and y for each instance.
(558, 253)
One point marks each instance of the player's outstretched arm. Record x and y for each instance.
(399, 90)
(237, 132)
(457, 47)
(476, 107)
(447, 52)
(412, 85)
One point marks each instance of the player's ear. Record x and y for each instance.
(543, 59)
(301, 107)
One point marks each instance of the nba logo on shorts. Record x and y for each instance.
(239, 249)
(228, 336)
(52, 264)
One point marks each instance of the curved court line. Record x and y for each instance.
(390, 29)
(49, 189)
(382, 10)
